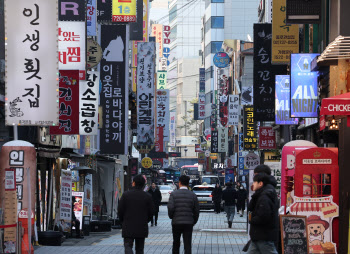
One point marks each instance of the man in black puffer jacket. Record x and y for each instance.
(263, 217)
(183, 209)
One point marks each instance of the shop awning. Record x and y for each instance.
(336, 105)
(309, 206)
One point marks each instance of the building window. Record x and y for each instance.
(218, 1)
(217, 22)
(207, 25)
(173, 34)
(173, 13)
(216, 46)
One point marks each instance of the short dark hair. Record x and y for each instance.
(228, 184)
(262, 169)
(261, 177)
(139, 181)
(184, 180)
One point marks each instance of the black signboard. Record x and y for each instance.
(113, 97)
(156, 155)
(294, 234)
(104, 10)
(214, 142)
(171, 154)
(136, 28)
(71, 10)
(303, 12)
(250, 137)
(264, 74)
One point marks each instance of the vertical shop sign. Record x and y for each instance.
(264, 74)
(223, 87)
(114, 94)
(223, 140)
(124, 10)
(159, 144)
(145, 93)
(157, 32)
(88, 195)
(162, 77)
(104, 11)
(163, 113)
(66, 200)
(145, 20)
(31, 62)
(68, 104)
(91, 17)
(285, 38)
(9, 209)
(303, 91)
(250, 129)
(93, 53)
(166, 43)
(201, 80)
(214, 142)
(78, 206)
(282, 109)
(233, 109)
(267, 138)
(172, 129)
(201, 95)
(71, 44)
(89, 93)
(71, 10)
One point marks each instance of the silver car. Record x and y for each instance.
(203, 193)
(165, 190)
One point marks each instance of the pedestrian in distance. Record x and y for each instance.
(135, 210)
(242, 197)
(216, 196)
(229, 195)
(263, 217)
(183, 210)
(157, 199)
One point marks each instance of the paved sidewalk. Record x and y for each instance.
(211, 236)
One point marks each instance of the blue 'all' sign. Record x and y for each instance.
(221, 60)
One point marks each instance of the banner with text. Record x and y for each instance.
(250, 129)
(163, 113)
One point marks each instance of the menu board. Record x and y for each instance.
(294, 235)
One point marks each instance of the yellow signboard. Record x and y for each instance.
(145, 20)
(146, 162)
(124, 11)
(285, 38)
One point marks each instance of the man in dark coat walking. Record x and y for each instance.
(157, 198)
(229, 195)
(135, 210)
(183, 209)
(216, 196)
(242, 197)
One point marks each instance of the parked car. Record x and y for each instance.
(165, 190)
(171, 184)
(209, 179)
(204, 196)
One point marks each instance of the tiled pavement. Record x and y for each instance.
(210, 235)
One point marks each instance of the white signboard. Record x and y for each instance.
(78, 207)
(71, 37)
(172, 129)
(223, 140)
(201, 106)
(88, 194)
(233, 110)
(66, 200)
(88, 96)
(163, 114)
(251, 160)
(145, 93)
(317, 161)
(31, 62)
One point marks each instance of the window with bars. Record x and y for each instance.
(317, 185)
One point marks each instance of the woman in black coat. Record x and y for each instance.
(242, 196)
(217, 195)
(157, 198)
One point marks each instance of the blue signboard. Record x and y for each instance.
(229, 175)
(221, 60)
(304, 92)
(91, 17)
(282, 110)
(201, 80)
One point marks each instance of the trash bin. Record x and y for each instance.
(86, 225)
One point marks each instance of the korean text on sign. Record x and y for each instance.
(124, 10)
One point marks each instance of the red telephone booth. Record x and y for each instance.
(317, 196)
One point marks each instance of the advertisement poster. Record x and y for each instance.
(229, 175)
(303, 91)
(250, 137)
(163, 113)
(124, 10)
(145, 93)
(114, 95)
(68, 104)
(91, 17)
(78, 206)
(264, 74)
(162, 77)
(233, 109)
(66, 200)
(89, 95)
(267, 138)
(282, 104)
(172, 129)
(31, 63)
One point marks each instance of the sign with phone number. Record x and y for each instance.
(124, 11)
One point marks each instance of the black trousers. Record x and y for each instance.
(139, 245)
(217, 207)
(186, 231)
(77, 227)
(155, 217)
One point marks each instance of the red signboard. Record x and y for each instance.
(68, 104)
(267, 138)
(159, 147)
(322, 123)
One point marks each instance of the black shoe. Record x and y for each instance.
(155, 224)
(241, 215)
(230, 224)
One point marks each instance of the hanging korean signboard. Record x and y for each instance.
(166, 43)
(66, 200)
(114, 94)
(159, 144)
(264, 74)
(91, 17)
(201, 106)
(304, 93)
(172, 129)
(145, 19)
(89, 93)
(250, 129)
(124, 10)
(223, 140)
(221, 60)
(214, 142)
(104, 11)
(31, 62)
(71, 46)
(163, 116)
(71, 10)
(145, 93)
(162, 77)
(285, 38)
(267, 138)
(68, 104)
(157, 32)
(201, 80)
(223, 86)
(282, 104)
(233, 109)
(94, 53)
